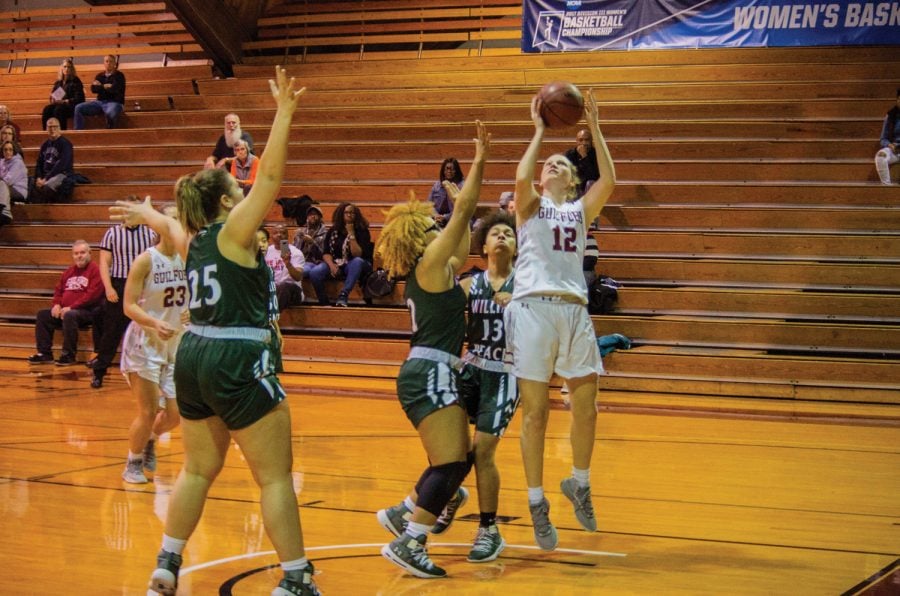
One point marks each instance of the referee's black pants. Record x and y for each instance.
(114, 324)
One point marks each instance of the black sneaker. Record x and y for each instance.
(342, 299)
(66, 360)
(97, 381)
(165, 578)
(40, 358)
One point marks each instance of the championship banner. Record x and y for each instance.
(587, 25)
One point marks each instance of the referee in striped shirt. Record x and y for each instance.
(119, 248)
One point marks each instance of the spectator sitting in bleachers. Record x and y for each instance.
(347, 254)
(310, 239)
(584, 158)
(76, 301)
(287, 264)
(244, 166)
(109, 86)
(508, 202)
(262, 238)
(8, 133)
(889, 153)
(443, 206)
(67, 93)
(6, 118)
(13, 181)
(54, 163)
(223, 152)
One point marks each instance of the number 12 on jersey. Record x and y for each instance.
(564, 238)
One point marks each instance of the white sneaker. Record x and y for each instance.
(134, 472)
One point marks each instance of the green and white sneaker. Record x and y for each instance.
(165, 578)
(298, 583)
(449, 513)
(581, 500)
(394, 519)
(410, 554)
(488, 545)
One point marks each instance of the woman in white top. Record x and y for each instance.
(155, 300)
(13, 180)
(548, 328)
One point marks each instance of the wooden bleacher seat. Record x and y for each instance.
(360, 27)
(93, 30)
(756, 249)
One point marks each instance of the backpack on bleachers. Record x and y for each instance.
(603, 294)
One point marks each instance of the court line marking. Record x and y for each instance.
(224, 560)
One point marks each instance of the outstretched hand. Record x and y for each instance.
(482, 141)
(591, 113)
(539, 124)
(452, 191)
(131, 213)
(283, 90)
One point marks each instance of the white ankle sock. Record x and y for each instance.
(409, 503)
(535, 495)
(173, 545)
(295, 565)
(582, 477)
(415, 530)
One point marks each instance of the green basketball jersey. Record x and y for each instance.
(438, 320)
(224, 293)
(485, 334)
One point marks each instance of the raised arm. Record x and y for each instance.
(599, 192)
(527, 197)
(451, 247)
(168, 228)
(239, 231)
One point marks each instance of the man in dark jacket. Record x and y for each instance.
(109, 86)
(54, 163)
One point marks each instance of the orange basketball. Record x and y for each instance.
(561, 104)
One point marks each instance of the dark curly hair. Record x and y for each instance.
(484, 225)
(337, 219)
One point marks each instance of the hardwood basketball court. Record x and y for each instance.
(686, 504)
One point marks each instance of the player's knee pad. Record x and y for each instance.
(421, 481)
(439, 484)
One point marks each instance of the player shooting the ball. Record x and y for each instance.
(548, 328)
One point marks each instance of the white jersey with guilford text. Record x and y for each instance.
(551, 250)
(164, 295)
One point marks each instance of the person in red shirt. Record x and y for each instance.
(76, 301)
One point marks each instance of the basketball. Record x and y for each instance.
(561, 104)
